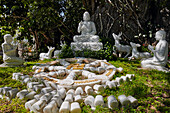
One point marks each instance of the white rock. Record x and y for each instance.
(54, 92)
(62, 92)
(51, 68)
(99, 100)
(100, 70)
(70, 91)
(119, 80)
(125, 78)
(89, 101)
(52, 74)
(38, 96)
(88, 90)
(133, 101)
(46, 97)
(30, 95)
(64, 63)
(46, 83)
(57, 99)
(78, 99)
(31, 84)
(29, 104)
(98, 88)
(65, 107)
(130, 76)
(115, 82)
(112, 102)
(69, 98)
(12, 93)
(22, 94)
(75, 107)
(38, 106)
(54, 85)
(79, 91)
(124, 100)
(46, 90)
(15, 76)
(5, 90)
(38, 87)
(120, 70)
(51, 108)
(111, 84)
(26, 80)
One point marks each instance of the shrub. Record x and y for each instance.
(105, 53)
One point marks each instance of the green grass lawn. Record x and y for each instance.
(150, 87)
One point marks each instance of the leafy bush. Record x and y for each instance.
(105, 53)
(66, 52)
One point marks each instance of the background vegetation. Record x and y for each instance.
(50, 21)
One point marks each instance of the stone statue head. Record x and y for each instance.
(160, 35)
(86, 16)
(8, 38)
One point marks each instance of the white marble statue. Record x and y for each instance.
(58, 52)
(120, 48)
(87, 29)
(136, 54)
(160, 58)
(47, 55)
(9, 52)
(87, 39)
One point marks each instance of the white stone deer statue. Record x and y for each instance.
(136, 54)
(47, 55)
(57, 52)
(120, 48)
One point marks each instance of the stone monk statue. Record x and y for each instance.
(9, 52)
(87, 29)
(160, 58)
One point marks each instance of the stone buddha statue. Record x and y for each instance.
(160, 58)
(87, 29)
(9, 52)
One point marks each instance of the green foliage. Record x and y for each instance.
(105, 53)
(66, 52)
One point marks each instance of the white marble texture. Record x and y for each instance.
(160, 58)
(9, 52)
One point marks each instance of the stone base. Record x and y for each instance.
(80, 46)
(159, 68)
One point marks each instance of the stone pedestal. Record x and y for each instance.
(79, 46)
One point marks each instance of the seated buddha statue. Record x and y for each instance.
(9, 52)
(87, 29)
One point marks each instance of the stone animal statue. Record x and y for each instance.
(57, 52)
(120, 48)
(136, 54)
(48, 54)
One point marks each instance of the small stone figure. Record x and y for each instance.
(87, 29)
(160, 58)
(47, 55)
(136, 54)
(9, 52)
(120, 48)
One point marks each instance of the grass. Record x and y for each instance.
(151, 88)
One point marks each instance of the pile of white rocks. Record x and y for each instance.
(46, 94)
(49, 97)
